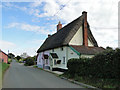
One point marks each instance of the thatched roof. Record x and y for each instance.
(63, 36)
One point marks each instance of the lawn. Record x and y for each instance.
(3, 68)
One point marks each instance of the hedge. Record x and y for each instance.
(102, 65)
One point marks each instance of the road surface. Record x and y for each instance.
(19, 76)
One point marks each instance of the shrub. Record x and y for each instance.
(9, 60)
(29, 61)
(18, 58)
(102, 65)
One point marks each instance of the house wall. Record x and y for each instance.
(3, 57)
(61, 55)
(89, 43)
(78, 38)
(41, 61)
(67, 53)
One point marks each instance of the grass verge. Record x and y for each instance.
(3, 68)
(96, 82)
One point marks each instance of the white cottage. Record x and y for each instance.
(74, 40)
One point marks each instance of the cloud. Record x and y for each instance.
(102, 17)
(29, 51)
(6, 45)
(28, 27)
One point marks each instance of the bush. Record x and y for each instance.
(21, 61)
(18, 58)
(102, 65)
(29, 61)
(9, 60)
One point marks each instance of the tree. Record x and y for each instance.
(18, 58)
(10, 55)
(109, 48)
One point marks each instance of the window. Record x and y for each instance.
(46, 61)
(63, 60)
(55, 62)
(2, 60)
(61, 48)
(52, 50)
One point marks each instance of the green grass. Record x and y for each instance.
(9, 60)
(4, 67)
(96, 82)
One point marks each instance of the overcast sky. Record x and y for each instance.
(25, 25)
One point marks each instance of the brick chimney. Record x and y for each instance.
(59, 26)
(85, 39)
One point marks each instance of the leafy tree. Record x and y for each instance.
(18, 58)
(10, 55)
(29, 61)
(109, 48)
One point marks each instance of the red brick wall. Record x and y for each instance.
(3, 57)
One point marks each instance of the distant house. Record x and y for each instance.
(74, 40)
(3, 57)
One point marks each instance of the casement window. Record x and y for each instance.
(61, 48)
(63, 60)
(55, 62)
(2, 60)
(46, 61)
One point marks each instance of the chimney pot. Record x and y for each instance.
(49, 35)
(84, 12)
(59, 26)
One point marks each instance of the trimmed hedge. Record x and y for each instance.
(102, 65)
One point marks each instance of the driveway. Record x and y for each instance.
(19, 76)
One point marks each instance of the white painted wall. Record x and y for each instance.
(60, 54)
(40, 60)
(89, 43)
(77, 38)
(67, 53)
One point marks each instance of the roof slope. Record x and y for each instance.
(88, 50)
(3, 52)
(63, 36)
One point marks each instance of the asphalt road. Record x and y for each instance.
(19, 76)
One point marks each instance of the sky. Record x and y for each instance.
(26, 25)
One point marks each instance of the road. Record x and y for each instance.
(19, 76)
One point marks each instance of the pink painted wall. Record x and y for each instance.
(3, 57)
